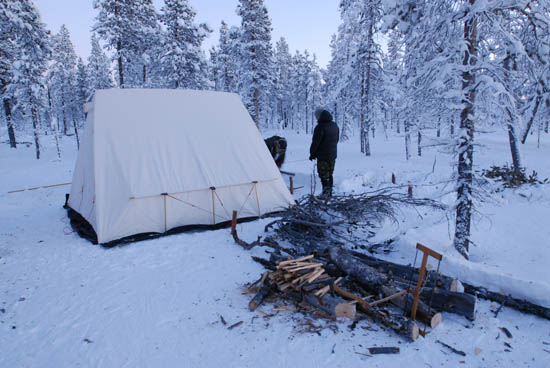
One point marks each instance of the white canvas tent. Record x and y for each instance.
(154, 160)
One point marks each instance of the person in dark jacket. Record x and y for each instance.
(324, 149)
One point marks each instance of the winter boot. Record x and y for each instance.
(327, 187)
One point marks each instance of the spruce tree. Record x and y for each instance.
(8, 54)
(130, 28)
(62, 79)
(82, 89)
(256, 58)
(99, 72)
(31, 41)
(283, 81)
(183, 63)
(227, 59)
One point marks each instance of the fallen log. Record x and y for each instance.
(327, 306)
(508, 301)
(335, 307)
(369, 277)
(406, 272)
(373, 279)
(424, 313)
(446, 283)
(401, 325)
(463, 304)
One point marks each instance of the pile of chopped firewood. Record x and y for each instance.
(306, 282)
(327, 278)
(297, 273)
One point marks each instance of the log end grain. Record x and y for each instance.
(413, 331)
(345, 310)
(436, 320)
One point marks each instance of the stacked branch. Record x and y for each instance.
(314, 225)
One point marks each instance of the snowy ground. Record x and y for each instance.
(65, 302)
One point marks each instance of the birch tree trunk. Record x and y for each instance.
(512, 135)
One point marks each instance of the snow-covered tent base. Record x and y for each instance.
(85, 230)
(158, 161)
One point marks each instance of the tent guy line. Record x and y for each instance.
(202, 189)
(40, 187)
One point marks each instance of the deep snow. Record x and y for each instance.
(65, 302)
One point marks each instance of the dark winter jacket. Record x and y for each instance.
(325, 138)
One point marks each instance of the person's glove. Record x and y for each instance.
(311, 158)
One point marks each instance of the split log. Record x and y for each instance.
(424, 313)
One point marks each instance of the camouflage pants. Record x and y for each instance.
(325, 169)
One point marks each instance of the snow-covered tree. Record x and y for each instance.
(354, 71)
(82, 88)
(183, 61)
(227, 59)
(131, 29)
(256, 58)
(367, 65)
(28, 69)
(62, 79)
(99, 72)
(8, 55)
(283, 81)
(305, 91)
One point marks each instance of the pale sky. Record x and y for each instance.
(306, 24)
